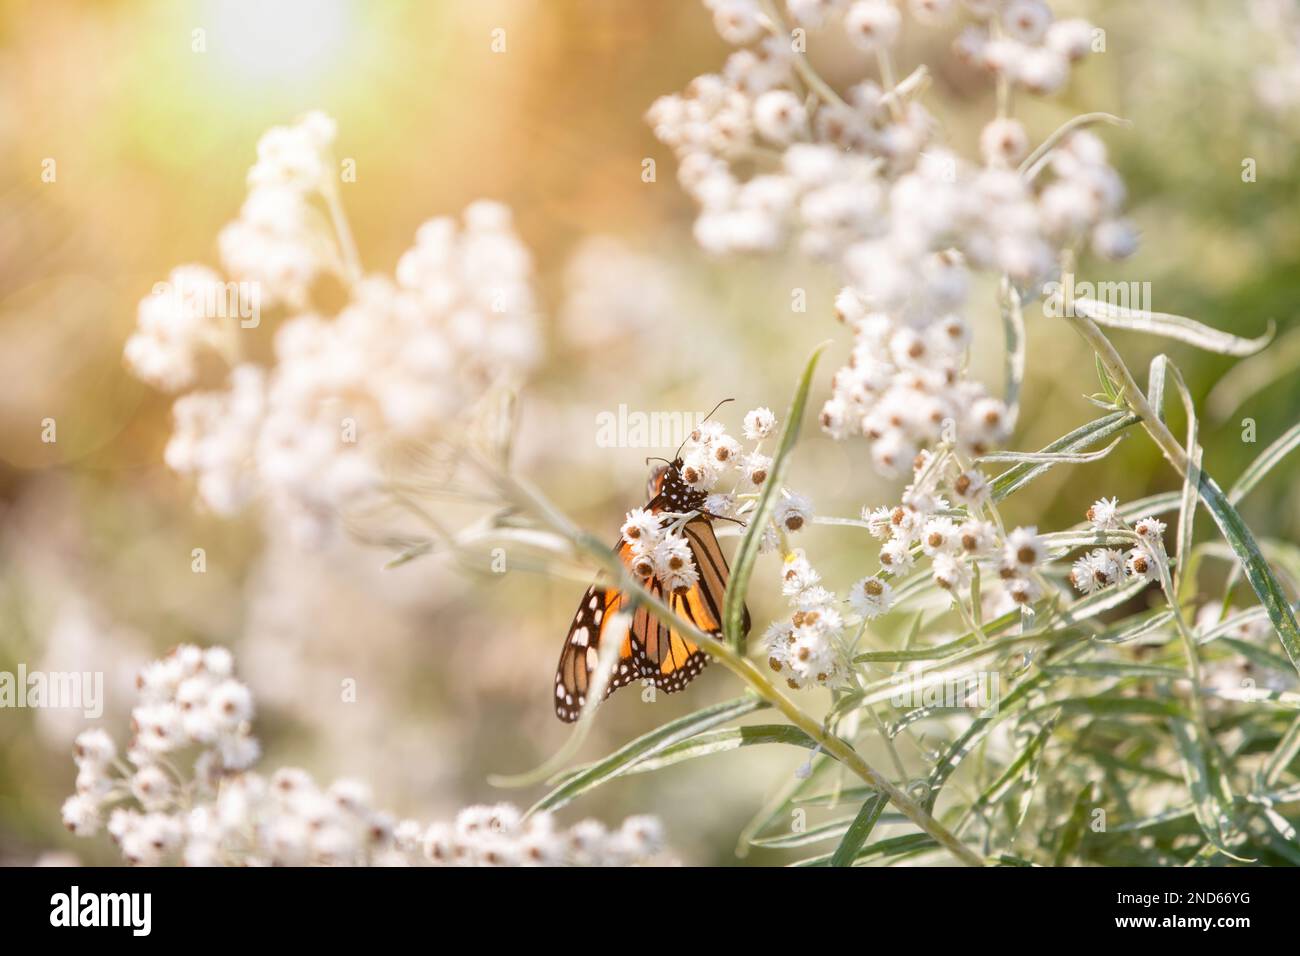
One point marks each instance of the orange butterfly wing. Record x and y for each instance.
(650, 650)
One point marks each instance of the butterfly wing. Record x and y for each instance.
(650, 650)
(581, 650)
(665, 655)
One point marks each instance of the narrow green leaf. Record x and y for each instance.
(1283, 755)
(1118, 669)
(1017, 476)
(1173, 327)
(734, 603)
(1212, 802)
(1261, 466)
(644, 746)
(720, 741)
(1072, 831)
(859, 830)
(1013, 327)
(1052, 457)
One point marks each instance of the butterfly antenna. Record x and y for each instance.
(703, 420)
(650, 458)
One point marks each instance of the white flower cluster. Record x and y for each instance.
(501, 836)
(276, 242)
(175, 324)
(1022, 42)
(225, 814)
(1104, 567)
(805, 649)
(863, 183)
(927, 526)
(408, 358)
(658, 551)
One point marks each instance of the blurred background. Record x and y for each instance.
(152, 142)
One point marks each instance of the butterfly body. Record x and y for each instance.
(650, 650)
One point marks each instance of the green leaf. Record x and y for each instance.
(908, 845)
(1013, 328)
(1072, 832)
(733, 609)
(1211, 798)
(1258, 372)
(1261, 466)
(1104, 669)
(1172, 326)
(1017, 476)
(1258, 573)
(720, 741)
(1052, 457)
(859, 830)
(1282, 756)
(621, 760)
(822, 831)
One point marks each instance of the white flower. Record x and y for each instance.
(1104, 514)
(896, 556)
(1024, 549)
(642, 529)
(81, 815)
(779, 116)
(798, 575)
(1026, 20)
(1004, 142)
(1141, 563)
(1151, 531)
(872, 24)
(793, 511)
(871, 597)
(879, 522)
(977, 538)
(152, 787)
(940, 536)
(94, 748)
(672, 556)
(759, 423)
(949, 573)
(971, 488)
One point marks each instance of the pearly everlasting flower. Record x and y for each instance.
(971, 488)
(94, 748)
(1004, 142)
(879, 521)
(872, 24)
(871, 597)
(798, 575)
(1141, 563)
(949, 573)
(642, 529)
(793, 511)
(183, 317)
(1024, 549)
(940, 536)
(977, 538)
(237, 817)
(1104, 514)
(759, 424)
(896, 556)
(1151, 531)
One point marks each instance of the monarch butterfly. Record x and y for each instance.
(651, 650)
